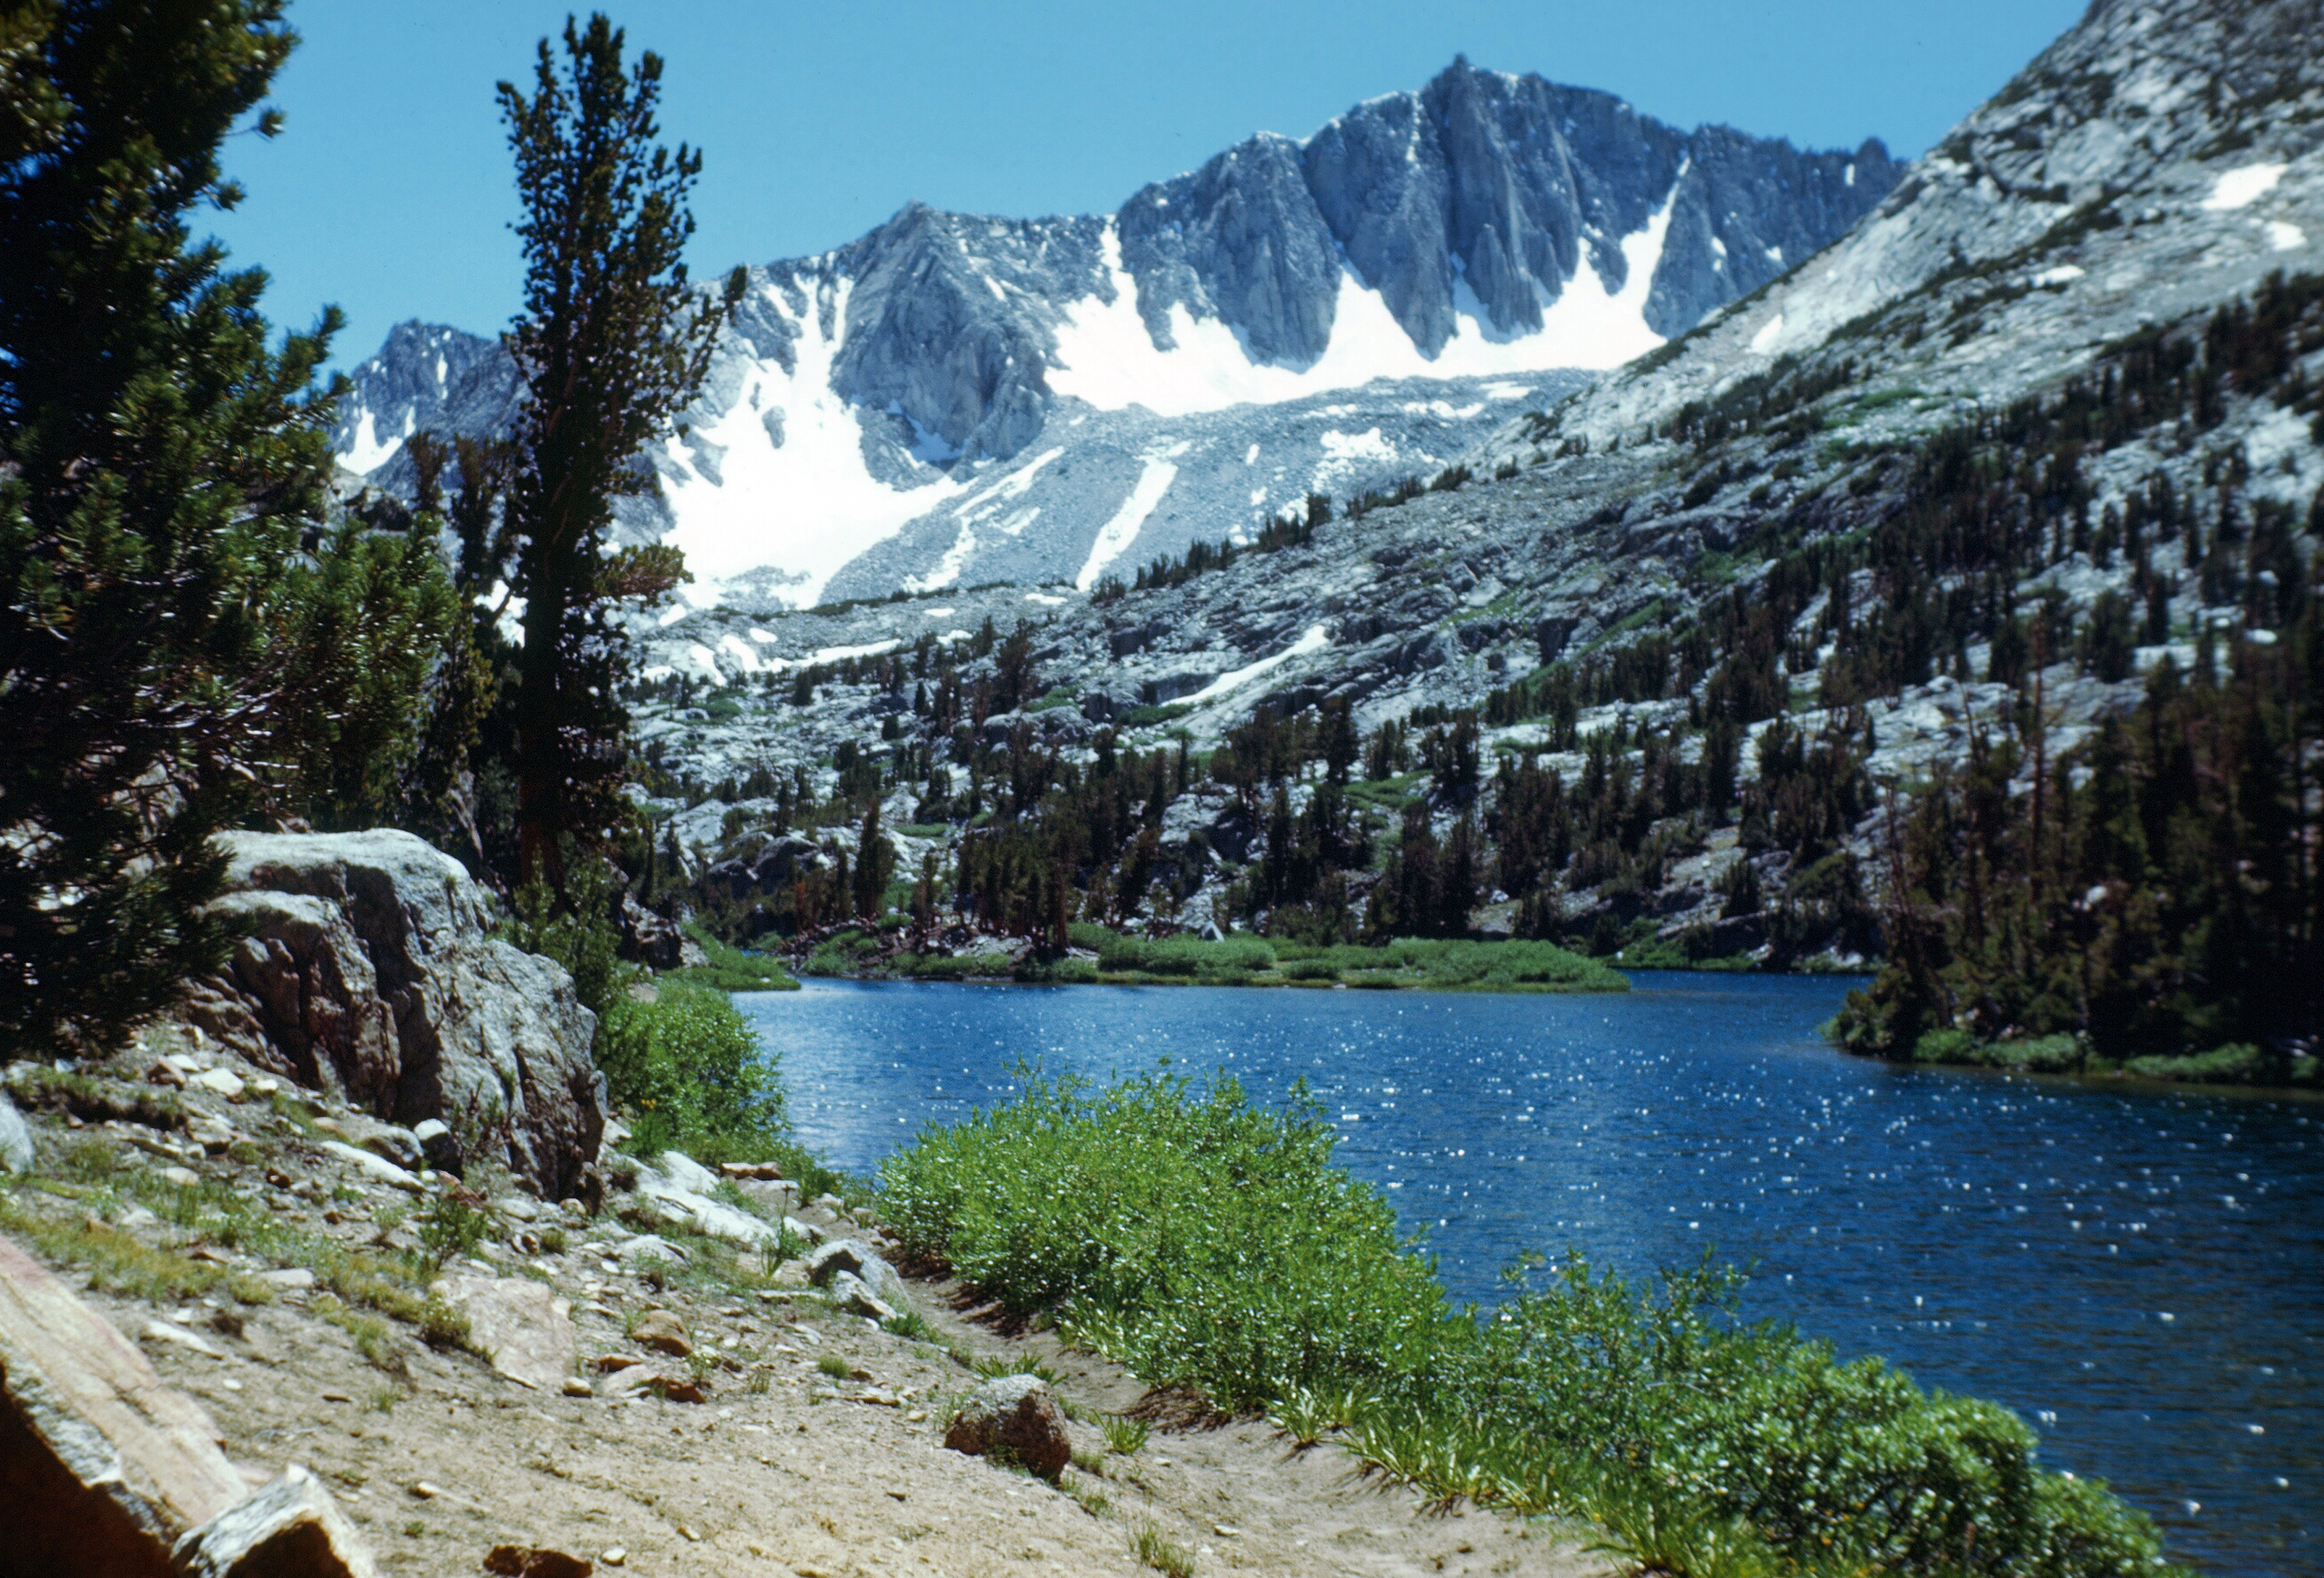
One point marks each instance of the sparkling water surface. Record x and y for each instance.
(2139, 1273)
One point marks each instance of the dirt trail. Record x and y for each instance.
(783, 1469)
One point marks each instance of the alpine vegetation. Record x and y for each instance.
(1212, 1245)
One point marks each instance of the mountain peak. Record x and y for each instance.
(1484, 226)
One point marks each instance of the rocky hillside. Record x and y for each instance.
(1829, 512)
(954, 399)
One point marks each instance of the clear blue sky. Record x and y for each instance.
(389, 190)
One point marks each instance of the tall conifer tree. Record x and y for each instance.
(612, 343)
(159, 465)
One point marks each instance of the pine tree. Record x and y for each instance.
(612, 343)
(159, 467)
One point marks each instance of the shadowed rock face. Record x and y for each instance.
(368, 969)
(1241, 240)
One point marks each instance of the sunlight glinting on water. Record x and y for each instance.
(2130, 1269)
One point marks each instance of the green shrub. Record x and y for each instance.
(2242, 1064)
(731, 969)
(451, 1229)
(1185, 1233)
(1945, 1045)
(1180, 955)
(2060, 1054)
(1459, 964)
(1204, 1242)
(691, 1072)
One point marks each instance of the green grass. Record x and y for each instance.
(1387, 794)
(2239, 1065)
(1148, 718)
(1448, 964)
(1204, 1242)
(1154, 1549)
(1459, 965)
(359, 1285)
(731, 969)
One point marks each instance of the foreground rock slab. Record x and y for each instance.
(102, 1465)
(525, 1329)
(289, 1528)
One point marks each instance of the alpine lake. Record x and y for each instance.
(2136, 1270)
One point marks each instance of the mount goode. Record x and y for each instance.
(955, 399)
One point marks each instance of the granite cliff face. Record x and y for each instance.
(1487, 227)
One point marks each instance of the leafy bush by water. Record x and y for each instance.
(1202, 1242)
(1456, 963)
(689, 1069)
(732, 969)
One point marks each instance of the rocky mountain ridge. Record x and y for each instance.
(2156, 165)
(1489, 227)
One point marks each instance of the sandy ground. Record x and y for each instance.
(437, 1457)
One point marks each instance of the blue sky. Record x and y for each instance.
(389, 190)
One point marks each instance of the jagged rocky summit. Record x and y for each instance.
(955, 399)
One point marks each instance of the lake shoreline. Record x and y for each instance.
(1095, 956)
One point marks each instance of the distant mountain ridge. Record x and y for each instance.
(1487, 227)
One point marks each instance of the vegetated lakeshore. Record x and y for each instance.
(2013, 1239)
(1098, 956)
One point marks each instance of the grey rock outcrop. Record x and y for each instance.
(367, 970)
(1242, 240)
(853, 1256)
(15, 1139)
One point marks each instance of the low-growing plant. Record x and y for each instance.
(992, 1366)
(911, 1324)
(1207, 1243)
(451, 1228)
(373, 1338)
(1154, 1549)
(834, 1366)
(1123, 1435)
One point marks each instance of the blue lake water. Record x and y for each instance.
(2137, 1272)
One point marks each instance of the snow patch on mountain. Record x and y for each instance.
(2242, 186)
(789, 487)
(1107, 356)
(365, 450)
(1116, 534)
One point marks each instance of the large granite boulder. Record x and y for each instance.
(368, 970)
